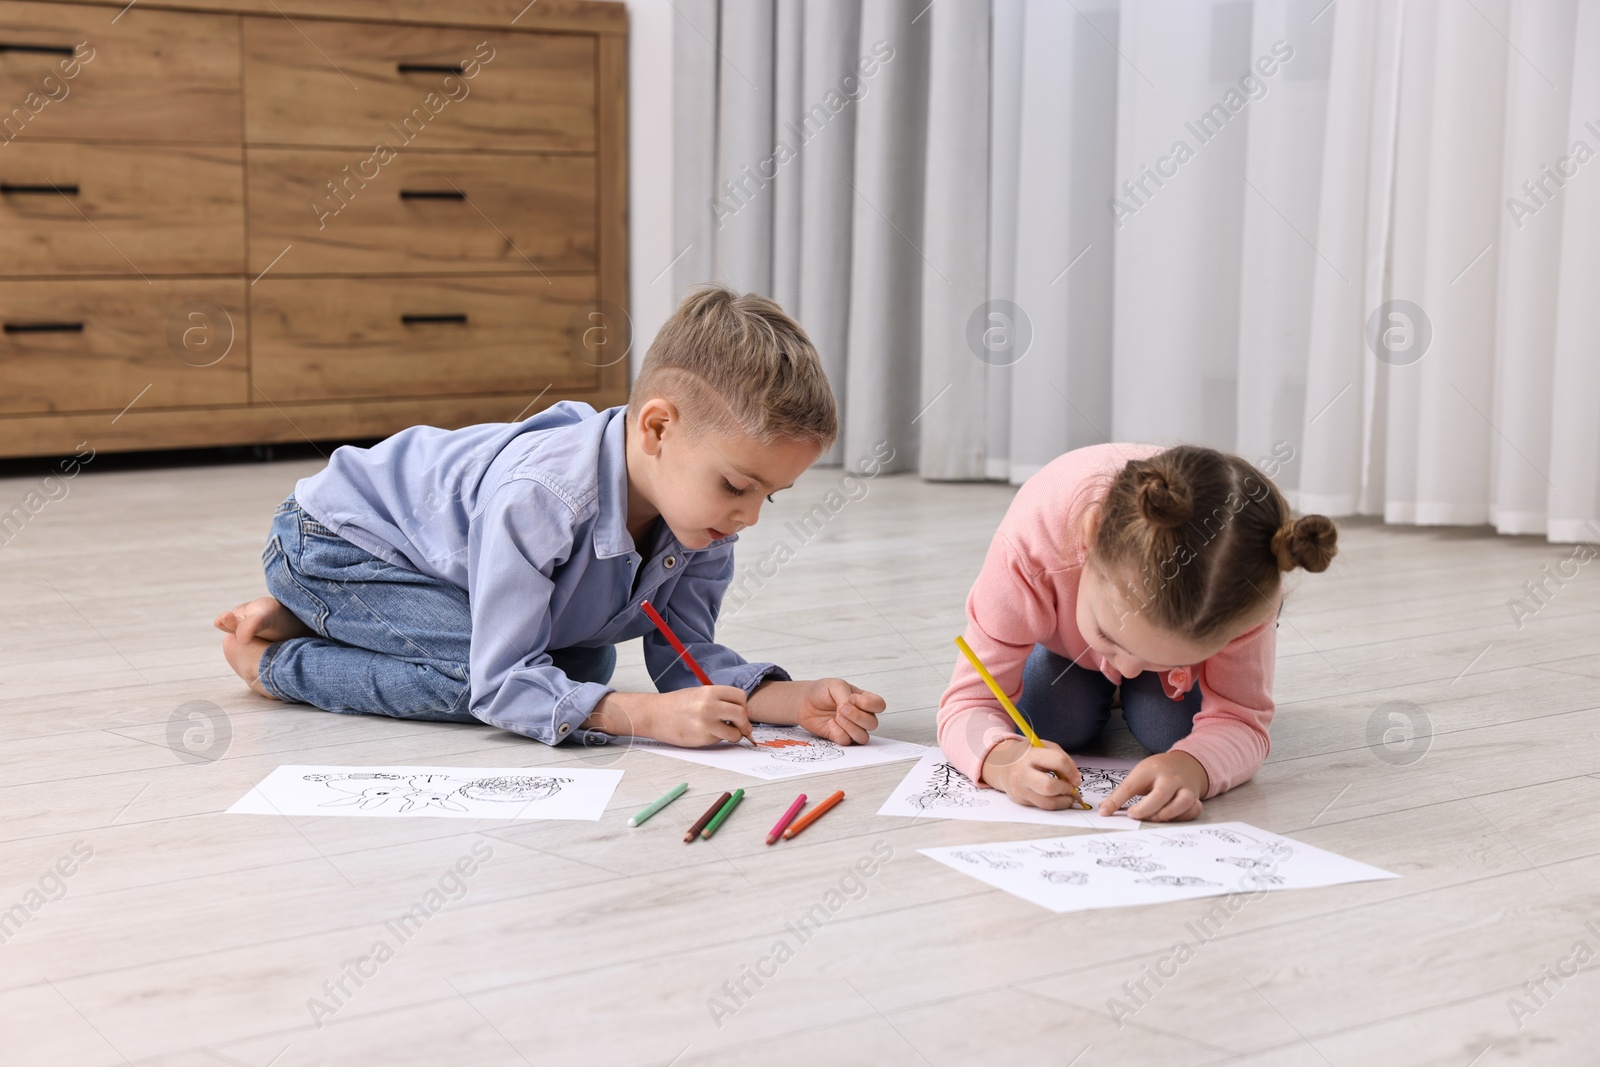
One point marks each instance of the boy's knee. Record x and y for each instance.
(449, 690)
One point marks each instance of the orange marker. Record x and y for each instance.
(813, 815)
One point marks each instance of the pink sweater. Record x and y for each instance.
(1027, 594)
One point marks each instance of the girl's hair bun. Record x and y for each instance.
(1310, 541)
(1164, 498)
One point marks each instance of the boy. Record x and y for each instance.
(484, 574)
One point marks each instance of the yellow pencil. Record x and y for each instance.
(1011, 709)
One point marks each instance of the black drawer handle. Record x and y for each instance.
(432, 194)
(8, 189)
(40, 49)
(44, 327)
(412, 320)
(429, 68)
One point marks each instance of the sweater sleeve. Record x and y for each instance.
(1008, 612)
(1230, 730)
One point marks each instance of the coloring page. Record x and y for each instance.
(784, 752)
(441, 792)
(1152, 866)
(935, 790)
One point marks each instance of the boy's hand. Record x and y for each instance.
(1172, 784)
(832, 708)
(1022, 772)
(694, 717)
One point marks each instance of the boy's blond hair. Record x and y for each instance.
(736, 363)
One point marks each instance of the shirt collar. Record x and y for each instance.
(611, 537)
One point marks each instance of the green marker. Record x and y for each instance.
(677, 791)
(719, 817)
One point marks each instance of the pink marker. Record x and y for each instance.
(788, 817)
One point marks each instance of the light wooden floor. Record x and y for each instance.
(191, 937)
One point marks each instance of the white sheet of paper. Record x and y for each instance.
(1152, 866)
(785, 752)
(439, 792)
(934, 789)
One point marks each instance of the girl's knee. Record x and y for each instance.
(1157, 721)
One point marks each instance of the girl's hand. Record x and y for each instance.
(834, 709)
(1022, 772)
(1172, 784)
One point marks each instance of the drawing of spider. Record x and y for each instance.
(995, 861)
(1177, 880)
(1133, 863)
(1065, 877)
(947, 788)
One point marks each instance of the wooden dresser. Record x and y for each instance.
(249, 221)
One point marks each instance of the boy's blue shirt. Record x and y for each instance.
(530, 518)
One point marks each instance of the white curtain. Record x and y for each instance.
(1356, 241)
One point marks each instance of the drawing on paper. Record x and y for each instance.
(1174, 880)
(368, 791)
(1149, 867)
(948, 788)
(780, 744)
(1051, 851)
(1133, 863)
(1100, 779)
(514, 788)
(983, 857)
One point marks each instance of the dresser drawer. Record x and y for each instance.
(343, 338)
(147, 76)
(356, 84)
(348, 212)
(96, 345)
(120, 209)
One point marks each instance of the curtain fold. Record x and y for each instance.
(1352, 242)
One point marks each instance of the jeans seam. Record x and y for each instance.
(320, 623)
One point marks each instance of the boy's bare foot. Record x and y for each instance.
(263, 617)
(245, 659)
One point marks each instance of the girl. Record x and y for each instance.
(1156, 573)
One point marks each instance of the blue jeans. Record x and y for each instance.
(390, 641)
(1069, 704)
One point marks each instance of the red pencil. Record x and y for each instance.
(813, 815)
(672, 639)
(794, 809)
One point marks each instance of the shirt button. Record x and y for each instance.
(670, 562)
(563, 729)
